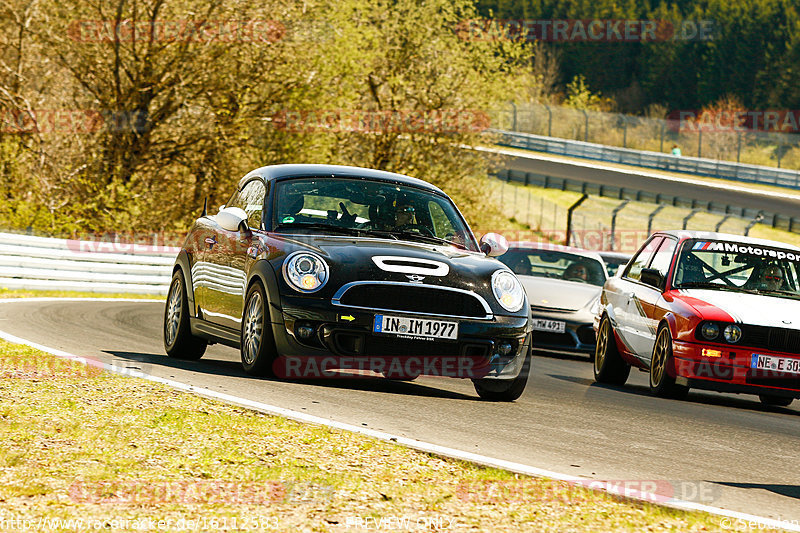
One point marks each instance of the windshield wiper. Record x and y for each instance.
(318, 225)
(777, 291)
(346, 230)
(429, 238)
(709, 285)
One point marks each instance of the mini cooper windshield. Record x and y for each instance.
(740, 267)
(369, 208)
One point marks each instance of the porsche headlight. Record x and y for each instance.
(508, 291)
(305, 271)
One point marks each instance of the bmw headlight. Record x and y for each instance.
(732, 333)
(305, 271)
(710, 331)
(508, 291)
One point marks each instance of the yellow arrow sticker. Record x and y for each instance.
(349, 318)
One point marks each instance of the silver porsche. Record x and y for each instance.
(563, 286)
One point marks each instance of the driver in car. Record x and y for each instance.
(576, 271)
(770, 278)
(403, 215)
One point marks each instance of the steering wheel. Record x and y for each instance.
(577, 279)
(425, 230)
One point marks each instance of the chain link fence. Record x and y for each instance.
(540, 215)
(780, 150)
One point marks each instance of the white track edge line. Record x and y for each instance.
(397, 439)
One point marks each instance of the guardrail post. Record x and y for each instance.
(569, 217)
(585, 126)
(514, 124)
(721, 222)
(758, 218)
(549, 121)
(738, 147)
(699, 142)
(690, 215)
(624, 133)
(652, 215)
(614, 221)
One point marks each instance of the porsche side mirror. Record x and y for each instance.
(493, 244)
(652, 277)
(230, 218)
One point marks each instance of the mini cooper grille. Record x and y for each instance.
(775, 339)
(413, 299)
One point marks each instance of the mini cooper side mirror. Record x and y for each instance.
(244, 230)
(652, 277)
(230, 218)
(493, 244)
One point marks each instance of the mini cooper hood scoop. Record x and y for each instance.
(382, 259)
(410, 265)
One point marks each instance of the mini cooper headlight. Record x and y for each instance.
(710, 331)
(732, 333)
(305, 271)
(508, 291)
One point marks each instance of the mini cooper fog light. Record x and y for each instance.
(305, 332)
(305, 271)
(507, 290)
(732, 333)
(504, 349)
(710, 331)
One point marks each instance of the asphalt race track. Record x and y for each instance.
(720, 450)
(633, 179)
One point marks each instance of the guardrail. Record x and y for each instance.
(655, 160)
(41, 263)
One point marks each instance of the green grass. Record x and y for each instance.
(25, 293)
(80, 444)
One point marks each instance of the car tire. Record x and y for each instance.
(609, 367)
(775, 401)
(661, 383)
(502, 390)
(178, 339)
(257, 344)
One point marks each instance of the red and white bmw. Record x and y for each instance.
(704, 310)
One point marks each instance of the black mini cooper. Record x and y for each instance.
(328, 271)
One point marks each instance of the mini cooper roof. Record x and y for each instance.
(712, 236)
(275, 172)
